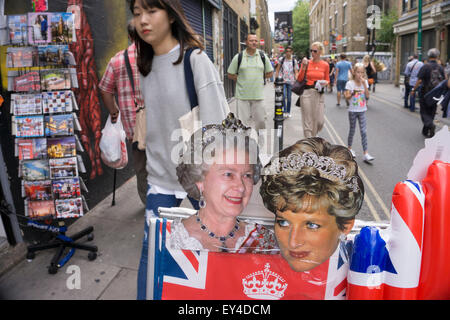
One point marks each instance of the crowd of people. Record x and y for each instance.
(309, 186)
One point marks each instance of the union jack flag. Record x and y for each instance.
(184, 274)
(387, 266)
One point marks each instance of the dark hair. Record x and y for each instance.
(180, 28)
(343, 56)
(250, 34)
(288, 48)
(131, 31)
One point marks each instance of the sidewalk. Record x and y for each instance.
(118, 232)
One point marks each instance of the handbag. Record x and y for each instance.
(140, 127)
(190, 121)
(299, 86)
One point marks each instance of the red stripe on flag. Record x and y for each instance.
(410, 209)
(341, 286)
(192, 259)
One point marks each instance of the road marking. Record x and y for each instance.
(363, 177)
(369, 203)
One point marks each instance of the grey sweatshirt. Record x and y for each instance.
(166, 99)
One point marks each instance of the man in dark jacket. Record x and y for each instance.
(430, 75)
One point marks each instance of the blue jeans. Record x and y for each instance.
(287, 95)
(412, 101)
(154, 201)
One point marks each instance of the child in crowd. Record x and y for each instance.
(357, 93)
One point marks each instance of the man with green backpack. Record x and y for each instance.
(249, 69)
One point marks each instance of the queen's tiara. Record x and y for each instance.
(326, 166)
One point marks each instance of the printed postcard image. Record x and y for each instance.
(61, 147)
(63, 168)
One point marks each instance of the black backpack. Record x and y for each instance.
(435, 78)
(263, 58)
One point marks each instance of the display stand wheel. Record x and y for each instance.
(92, 256)
(53, 269)
(31, 255)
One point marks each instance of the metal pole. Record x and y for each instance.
(419, 30)
(278, 118)
(114, 189)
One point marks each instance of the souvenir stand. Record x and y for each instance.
(43, 108)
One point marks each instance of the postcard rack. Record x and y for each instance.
(45, 124)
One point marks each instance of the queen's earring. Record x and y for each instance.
(202, 201)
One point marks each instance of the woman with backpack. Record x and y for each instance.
(162, 37)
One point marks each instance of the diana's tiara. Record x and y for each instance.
(326, 166)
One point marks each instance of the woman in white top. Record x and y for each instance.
(162, 37)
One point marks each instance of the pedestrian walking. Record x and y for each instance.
(430, 75)
(312, 100)
(332, 64)
(371, 71)
(162, 37)
(288, 70)
(342, 69)
(272, 62)
(411, 72)
(116, 82)
(249, 69)
(357, 93)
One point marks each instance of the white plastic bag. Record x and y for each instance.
(113, 145)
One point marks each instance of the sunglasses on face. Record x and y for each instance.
(312, 50)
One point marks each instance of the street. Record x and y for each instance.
(394, 138)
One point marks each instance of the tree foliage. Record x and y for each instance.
(386, 33)
(300, 21)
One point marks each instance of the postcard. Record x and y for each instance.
(18, 26)
(62, 27)
(35, 170)
(40, 209)
(57, 101)
(55, 79)
(61, 147)
(63, 168)
(66, 188)
(29, 126)
(39, 27)
(20, 57)
(27, 82)
(59, 125)
(69, 208)
(52, 54)
(38, 190)
(26, 104)
(29, 149)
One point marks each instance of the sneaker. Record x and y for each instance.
(353, 153)
(289, 115)
(367, 157)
